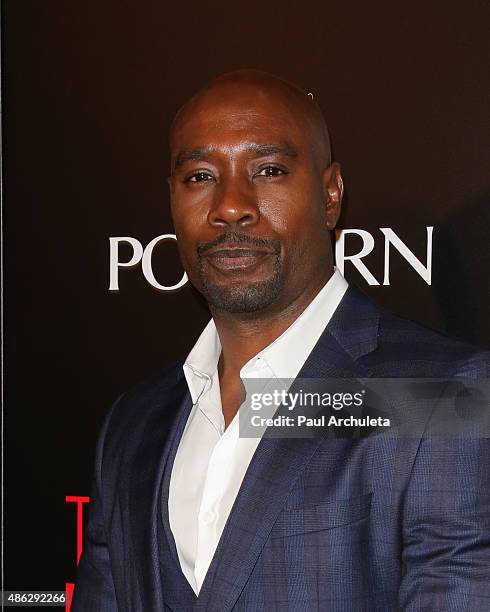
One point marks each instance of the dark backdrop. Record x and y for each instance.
(89, 89)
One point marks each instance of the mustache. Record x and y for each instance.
(238, 238)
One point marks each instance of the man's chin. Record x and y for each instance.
(241, 299)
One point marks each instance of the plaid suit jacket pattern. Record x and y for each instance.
(346, 525)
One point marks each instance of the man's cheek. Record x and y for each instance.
(185, 252)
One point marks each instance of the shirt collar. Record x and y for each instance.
(286, 355)
(202, 361)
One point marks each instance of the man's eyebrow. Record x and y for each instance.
(201, 153)
(191, 155)
(279, 148)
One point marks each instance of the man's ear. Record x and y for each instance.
(333, 190)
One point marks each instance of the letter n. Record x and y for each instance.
(392, 239)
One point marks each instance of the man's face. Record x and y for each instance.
(249, 201)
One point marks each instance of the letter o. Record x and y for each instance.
(147, 267)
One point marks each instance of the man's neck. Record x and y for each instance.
(243, 336)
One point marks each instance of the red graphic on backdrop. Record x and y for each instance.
(79, 500)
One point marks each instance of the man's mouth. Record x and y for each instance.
(236, 257)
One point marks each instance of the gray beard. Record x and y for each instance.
(242, 299)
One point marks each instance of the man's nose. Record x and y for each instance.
(234, 204)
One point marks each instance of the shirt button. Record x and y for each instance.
(209, 517)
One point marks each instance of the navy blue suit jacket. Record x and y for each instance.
(370, 524)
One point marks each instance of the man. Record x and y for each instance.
(188, 515)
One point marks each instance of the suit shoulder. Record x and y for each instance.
(427, 352)
(161, 381)
(133, 407)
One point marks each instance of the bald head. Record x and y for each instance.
(243, 91)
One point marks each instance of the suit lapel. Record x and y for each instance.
(161, 427)
(351, 333)
(178, 593)
(277, 463)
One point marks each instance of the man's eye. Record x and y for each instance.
(198, 177)
(270, 171)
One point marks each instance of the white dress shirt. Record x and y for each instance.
(211, 462)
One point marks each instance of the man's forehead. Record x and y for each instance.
(238, 116)
(235, 131)
(249, 106)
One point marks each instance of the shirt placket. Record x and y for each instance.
(218, 474)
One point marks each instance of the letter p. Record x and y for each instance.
(115, 264)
